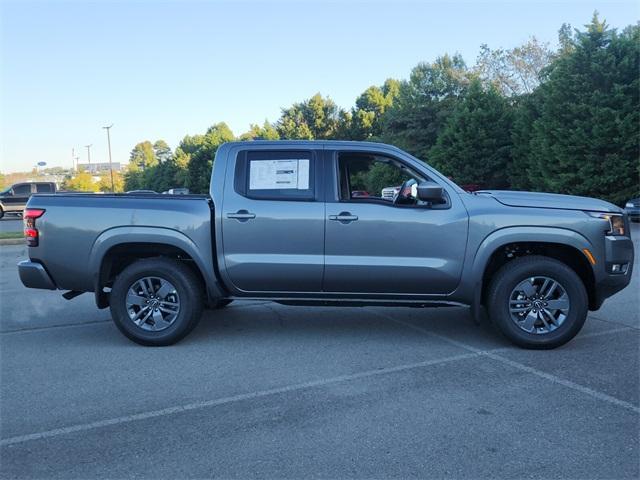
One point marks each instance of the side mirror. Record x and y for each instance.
(429, 192)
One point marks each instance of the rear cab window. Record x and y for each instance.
(44, 188)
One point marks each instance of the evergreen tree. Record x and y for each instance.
(586, 140)
(474, 146)
(316, 118)
(143, 155)
(256, 132)
(371, 105)
(424, 103)
(162, 151)
(201, 158)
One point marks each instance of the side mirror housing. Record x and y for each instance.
(429, 192)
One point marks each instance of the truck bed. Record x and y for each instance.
(76, 230)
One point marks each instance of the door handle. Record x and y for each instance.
(241, 215)
(344, 217)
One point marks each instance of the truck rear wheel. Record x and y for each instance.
(537, 302)
(156, 301)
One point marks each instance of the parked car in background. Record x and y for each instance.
(359, 194)
(632, 208)
(177, 191)
(150, 192)
(14, 199)
(389, 193)
(281, 224)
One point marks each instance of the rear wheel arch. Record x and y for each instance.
(120, 256)
(117, 248)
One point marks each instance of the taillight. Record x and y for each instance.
(30, 230)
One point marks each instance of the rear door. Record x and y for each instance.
(377, 246)
(273, 220)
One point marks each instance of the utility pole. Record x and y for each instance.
(73, 156)
(110, 165)
(89, 154)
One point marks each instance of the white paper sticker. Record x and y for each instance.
(279, 174)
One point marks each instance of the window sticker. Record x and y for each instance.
(279, 174)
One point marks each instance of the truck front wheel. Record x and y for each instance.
(156, 301)
(537, 302)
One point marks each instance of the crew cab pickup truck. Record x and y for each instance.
(14, 199)
(284, 222)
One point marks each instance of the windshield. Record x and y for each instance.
(5, 191)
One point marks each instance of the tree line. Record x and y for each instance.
(531, 118)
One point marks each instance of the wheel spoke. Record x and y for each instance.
(528, 287)
(544, 320)
(145, 318)
(134, 299)
(169, 303)
(552, 289)
(545, 286)
(139, 313)
(529, 321)
(160, 322)
(561, 303)
(519, 309)
(165, 289)
(550, 316)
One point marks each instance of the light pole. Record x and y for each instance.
(89, 154)
(110, 165)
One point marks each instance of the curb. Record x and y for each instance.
(13, 241)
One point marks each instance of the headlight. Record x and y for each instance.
(616, 222)
(628, 205)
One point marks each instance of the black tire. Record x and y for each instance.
(1, 213)
(218, 304)
(510, 275)
(189, 289)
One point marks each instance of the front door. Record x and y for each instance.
(381, 240)
(18, 197)
(273, 221)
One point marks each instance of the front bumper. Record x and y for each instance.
(617, 251)
(34, 275)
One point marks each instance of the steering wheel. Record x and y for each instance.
(403, 197)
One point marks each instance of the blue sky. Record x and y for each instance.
(167, 68)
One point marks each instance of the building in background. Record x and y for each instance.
(99, 167)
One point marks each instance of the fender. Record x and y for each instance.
(505, 236)
(158, 235)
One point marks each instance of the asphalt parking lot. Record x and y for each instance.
(10, 223)
(268, 391)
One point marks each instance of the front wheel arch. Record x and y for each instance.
(568, 255)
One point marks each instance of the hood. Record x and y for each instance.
(550, 200)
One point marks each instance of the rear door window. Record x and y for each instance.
(276, 175)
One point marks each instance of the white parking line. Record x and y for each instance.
(547, 376)
(226, 400)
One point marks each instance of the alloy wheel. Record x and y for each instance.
(539, 305)
(152, 303)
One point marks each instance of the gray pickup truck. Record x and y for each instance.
(307, 223)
